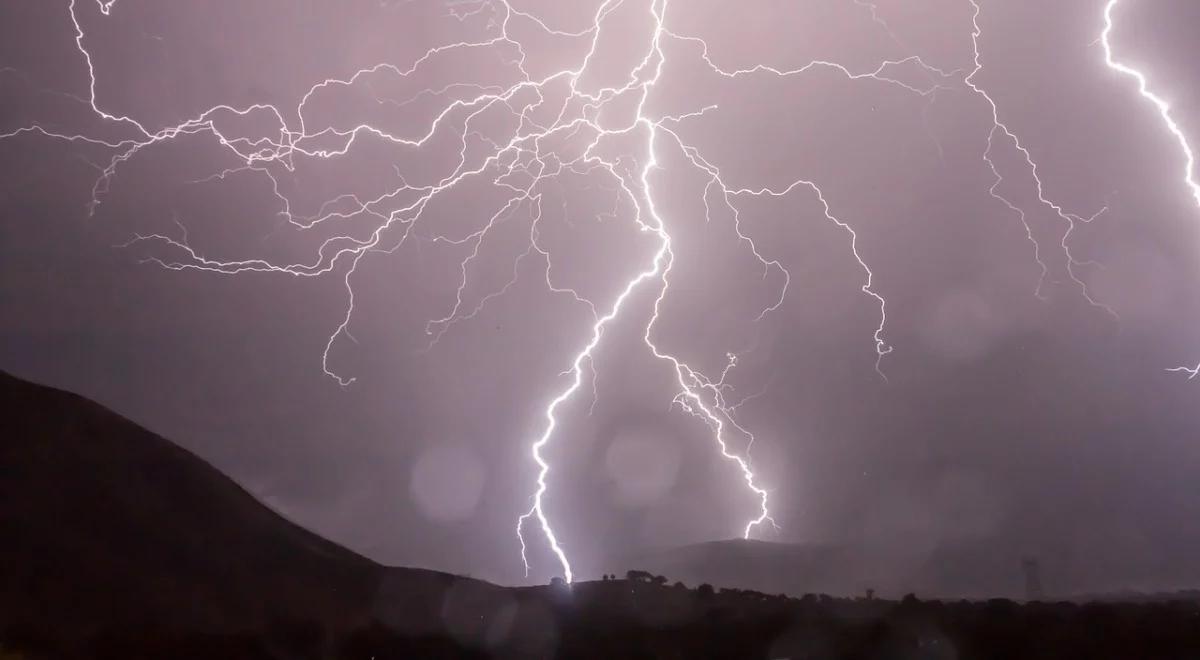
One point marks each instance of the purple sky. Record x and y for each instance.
(1038, 426)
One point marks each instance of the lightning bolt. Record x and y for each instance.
(1072, 220)
(1164, 111)
(558, 127)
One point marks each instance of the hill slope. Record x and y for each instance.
(109, 529)
(796, 569)
(103, 523)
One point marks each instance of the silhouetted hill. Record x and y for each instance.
(760, 565)
(979, 569)
(103, 523)
(115, 543)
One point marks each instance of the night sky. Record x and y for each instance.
(1012, 416)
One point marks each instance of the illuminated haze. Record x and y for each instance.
(933, 260)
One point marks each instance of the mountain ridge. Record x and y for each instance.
(104, 523)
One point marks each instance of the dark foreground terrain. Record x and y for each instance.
(620, 620)
(115, 543)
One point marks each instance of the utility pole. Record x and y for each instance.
(1033, 578)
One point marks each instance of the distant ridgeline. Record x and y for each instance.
(115, 543)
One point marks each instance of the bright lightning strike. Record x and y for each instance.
(548, 112)
(1070, 219)
(1164, 111)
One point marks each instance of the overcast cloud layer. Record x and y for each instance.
(1030, 426)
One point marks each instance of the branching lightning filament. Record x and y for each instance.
(1164, 112)
(559, 125)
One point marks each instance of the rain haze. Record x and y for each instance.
(937, 361)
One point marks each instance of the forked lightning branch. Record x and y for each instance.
(531, 156)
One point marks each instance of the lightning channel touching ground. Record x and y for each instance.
(522, 161)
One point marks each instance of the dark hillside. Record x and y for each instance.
(115, 543)
(104, 523)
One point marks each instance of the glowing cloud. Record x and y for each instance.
(523, 160)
